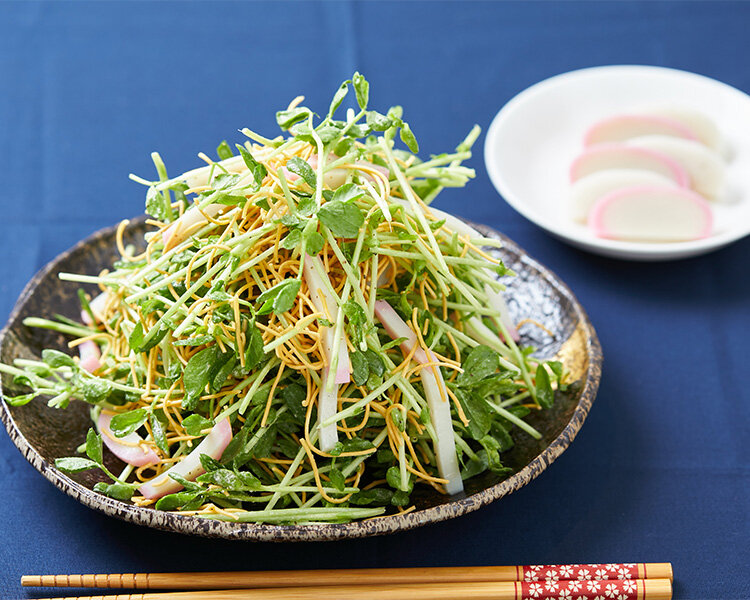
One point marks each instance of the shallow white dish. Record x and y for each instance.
(535, 137)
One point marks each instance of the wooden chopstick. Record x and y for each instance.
(639, 589)
(343, 577)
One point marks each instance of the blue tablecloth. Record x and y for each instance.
(661, 469)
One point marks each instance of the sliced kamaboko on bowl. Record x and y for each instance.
(213, 445)
(704, 129)
(651, 214)
(705, 166)
(435, 394)
(624, 127)
(587, 190)
(623, 156)
(131, 448)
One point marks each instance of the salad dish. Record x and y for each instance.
(295, 344)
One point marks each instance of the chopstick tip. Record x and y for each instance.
(31, 581)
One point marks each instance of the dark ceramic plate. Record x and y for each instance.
(43, 434)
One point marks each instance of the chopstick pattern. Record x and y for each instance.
(584, 572)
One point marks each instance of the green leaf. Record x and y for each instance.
(21, 400)
(327, 132)
(408, 138)
(477, 412)
(393, 343)
(492, 447)
(356, 444)
(347, 193)
(137, 337)
(502, 436)
(230, 199)
(225, 181)
(57, 359)
(158, 433)
(118, 491)
(280, 298)
(221, 375)
(373, 496)
(291, 241)
(300, 167)
(155, 205)
(128, 422)
(202, 369)
(258, 170)
(374, 362)
(361, 90)
(360, 368)
(377, 121)
(179, 194)
(265, 443)
(293, 396)
(557, 368)
(224, 151)
(337, 479)
(229, 480)
(40, 370)
(253, 347)
(358, 325)
(400, 498)
(196, 424)
(544, 394)
(307, 207)
(343, 146)
(481, 362)
(287, 118)
(395, 113)
(209, 463)
(393, 477)
(475, 466)
(385, 456)
(314, 242)
(357, 131)
(75, 464)
(235, 446)
(435, 225)
(190, 486)
(338, 97)
(94, 446)
(498, 384)
(178, 500)
(198, 340)
(94, 390)
(344, 220)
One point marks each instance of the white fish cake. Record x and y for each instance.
(587, 190)
(651, 214)
(705, 166)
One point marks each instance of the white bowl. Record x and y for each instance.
(535, 137)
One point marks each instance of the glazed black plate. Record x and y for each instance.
(43, 434)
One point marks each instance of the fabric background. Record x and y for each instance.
(659, 472)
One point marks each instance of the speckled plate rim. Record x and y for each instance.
(316, 532)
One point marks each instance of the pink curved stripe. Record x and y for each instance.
(90, 355)
(617, 152)
(659, 126)
(131, 454)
